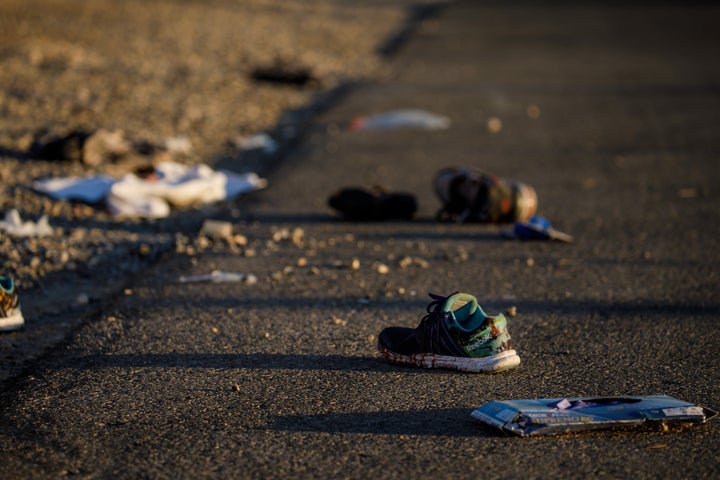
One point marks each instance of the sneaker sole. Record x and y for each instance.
(13, 322)
(493, 363)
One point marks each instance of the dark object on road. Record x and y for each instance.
(409, 118)
(67, 147)
(280, 73)
(538, 228)
(546, 416)
(470, 195)
(360, 204)
(456, 334)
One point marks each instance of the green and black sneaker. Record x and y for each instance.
(455, 334)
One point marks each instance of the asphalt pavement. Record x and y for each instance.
(609, 112)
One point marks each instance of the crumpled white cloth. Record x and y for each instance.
(173, 184)
(14, 226)
(92, 189)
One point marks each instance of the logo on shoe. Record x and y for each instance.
(489, 341)
(479, 342)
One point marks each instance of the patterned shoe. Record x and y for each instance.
(10, 315)
(469, 195)
(456, 334)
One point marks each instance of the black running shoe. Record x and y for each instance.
(360, 204)
(456, 334)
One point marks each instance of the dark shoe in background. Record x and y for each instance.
(360, 204)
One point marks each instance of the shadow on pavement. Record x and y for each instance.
(449, 422)
(234, 360)
(415, 306)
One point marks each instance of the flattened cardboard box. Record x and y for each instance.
(547, 416)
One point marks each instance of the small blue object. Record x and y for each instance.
(538, 228)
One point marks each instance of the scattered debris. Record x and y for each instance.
(688, 192)
(260, 141)
(408, 261)
(339, 321)
(14, 226)
(408, 118)
(82, 299)
(494, 125)
(181, 145)
(282, 73)
(105, 146)
(216, 229)
(91, 189)
(548, 416)
(217, 276)
(296, 236)
(538, 228)
(458, 256)
(533, 111)
(381, 268)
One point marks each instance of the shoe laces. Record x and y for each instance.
(430, 323)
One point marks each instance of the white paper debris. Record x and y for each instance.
(217, 276)
(14, 226)
(261, 141)
(173, 184)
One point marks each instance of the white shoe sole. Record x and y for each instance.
(493, 363)
(14, 322)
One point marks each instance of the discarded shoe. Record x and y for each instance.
(54, 147)
(471, 195)
(456, 334)
(10, 315)
(359, 204)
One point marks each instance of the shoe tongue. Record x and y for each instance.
(463, 311)
(462, 308)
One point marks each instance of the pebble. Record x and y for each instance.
(494, 125)
(216, 229)
(533, 111)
